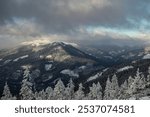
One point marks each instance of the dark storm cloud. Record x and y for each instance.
(66, 17)
(62, 15)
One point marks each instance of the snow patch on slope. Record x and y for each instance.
(146, 56)
(70, 73)
(94, 77)
(48, 67)
(82, 67)
(7, 61)
(22, 57)
(124, 68)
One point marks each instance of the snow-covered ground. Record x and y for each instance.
(7, 61)
(124, 68)
(82, 67)
(147, 56)
(48, 67)
(22, 57)
(70, 73)
(94, 77)
(141, 98)
(49, 57)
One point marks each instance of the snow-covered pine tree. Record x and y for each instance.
(41, 95)
(26, 91)
(79, 94)
(26, 73)
(69, 90)
(7, 94)
(95, 92)
(142, 82)
(131, 86)
(59, 91)
(148, 78)
(107, 92)
(137, 81)
(49, 93)
(111, 89)
(123, 91)
(115, 87)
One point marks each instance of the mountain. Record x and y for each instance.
(47, 63)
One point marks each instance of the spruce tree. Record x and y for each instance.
(69, 91)
(95, 92)
(7, 94)
(59, 91)
(49, 93)
(26, 91)
(107, 92)
(79, 94)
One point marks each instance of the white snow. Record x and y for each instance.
(82, 67)
(1, 59)
(70, 73)
(141, 98)
(41, 57)
(146, 56)
(124, 68)
(48, 67)
(94, 77)
(22, 57)
(105, 69)
(48, 56)
(7, 61)
(65, 43)
(73, 44)
(145, 98)
(15, 60)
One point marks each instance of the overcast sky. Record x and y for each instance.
(80, 21)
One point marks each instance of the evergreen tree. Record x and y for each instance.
(7, 94)
(115, 87)
(79, 94)
(95, 92)
(137, 82)
(107, 92)
(131, 86)
(148, 78)
(111, 89)
(49, 93)
(142, 82)
(41, 95)
(59, 91)
(26, 91)
(26, 74)
(69, 91)
(123, 91)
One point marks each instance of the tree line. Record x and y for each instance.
(136, 86)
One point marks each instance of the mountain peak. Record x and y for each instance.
(58, 44)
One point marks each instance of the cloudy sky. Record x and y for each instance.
(79, 21)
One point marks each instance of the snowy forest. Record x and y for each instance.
(133, 88)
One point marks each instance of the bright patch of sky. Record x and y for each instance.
(112, 30)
